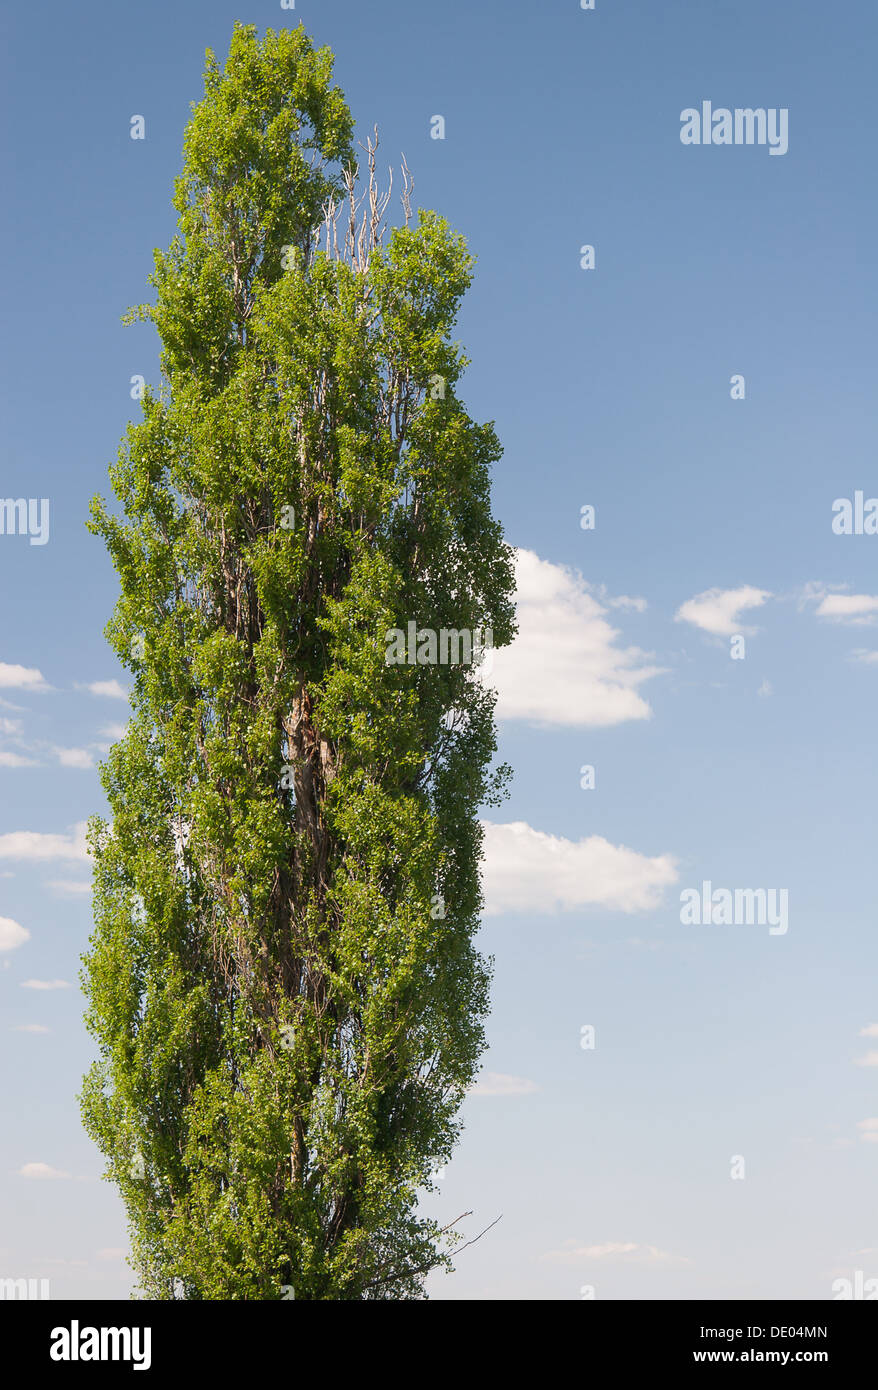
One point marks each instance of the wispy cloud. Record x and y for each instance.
(9, 758)
(113, 731)
(70, 887)
(834, 604)
(856, 609)
(870, 1060)
(497, 1083)
(45, 984)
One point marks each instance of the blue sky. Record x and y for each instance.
(609, 387)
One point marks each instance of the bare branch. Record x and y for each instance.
(425, 1269)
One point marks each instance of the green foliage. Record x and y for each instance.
(286, 1021)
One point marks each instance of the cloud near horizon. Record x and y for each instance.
(497, 1083)
(41, 1171)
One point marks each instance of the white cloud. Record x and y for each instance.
(74, 757)
(837, 606)
(614, 1249)
(45, 984)
(21, 678)
(70, 887)
(9, 726)
(111, 690)
(40, 1170)
(564, 667)
(717, 611)
(765, 688)
(869, 1130)
(32, 844)
(870, 1060)
(849, 608)
(31, 1028)
(526, 870)
(10, 759)
(864, 654)
(497, 1083)
(870, 1031)
(12, 934)
(112, 1252)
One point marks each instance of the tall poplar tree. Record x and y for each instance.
(282, 979)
